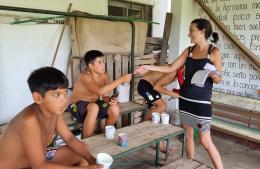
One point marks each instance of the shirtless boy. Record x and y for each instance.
(150, 91)
(93, 83)
(24, 142)
(146, 88)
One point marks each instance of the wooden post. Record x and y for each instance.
(166, 35)
(59, 41)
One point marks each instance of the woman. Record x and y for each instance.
(194, 104)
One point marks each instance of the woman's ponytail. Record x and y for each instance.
(214, 37)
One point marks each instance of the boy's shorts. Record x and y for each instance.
(78, 110)
(146, 90)
(50, 153)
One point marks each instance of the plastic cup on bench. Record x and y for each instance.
(155, 117)
(104, 159)
(165, 118)
(110, 132)
(123, 139)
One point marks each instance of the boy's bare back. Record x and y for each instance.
(153, 76)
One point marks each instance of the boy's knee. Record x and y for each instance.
(161, 105)
(114, 110)
(93, 107)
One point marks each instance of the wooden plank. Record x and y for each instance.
(75, 68)
(236, 101)
(146, 62)
(236, 131)
(118, 66)
(137, 120)
(138, 114)
(236, 110)
(154, 41)
(100, 140)
(74, 43)
(130, 107)
(125, 65)
(138, 141)
(238, 118)
(110, 67)
(166, 35)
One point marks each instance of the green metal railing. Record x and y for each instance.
(83, 15)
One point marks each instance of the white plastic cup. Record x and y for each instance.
(124, 91)
(105, 159)
(155, 117)
(165, 118)
(110, 132)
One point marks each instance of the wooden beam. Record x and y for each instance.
(166, 35)
(250, 56)
(59, 41)
(154, 41)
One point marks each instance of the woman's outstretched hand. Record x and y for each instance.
(142, 69)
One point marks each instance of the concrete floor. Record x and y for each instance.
(234, 155)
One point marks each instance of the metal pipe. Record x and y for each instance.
(43, 11)
(110, 18)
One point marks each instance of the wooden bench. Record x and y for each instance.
(140, 136)
(236, 121)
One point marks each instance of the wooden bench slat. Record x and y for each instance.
(236, 110)
(131, 106)
(138, 140)
(100, 140)
(118, 66)
(109, 66)
(238, 118)
(236, 130)
(125, 65)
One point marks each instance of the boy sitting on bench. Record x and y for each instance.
(91, 84)
(24, 142)
(146, 88)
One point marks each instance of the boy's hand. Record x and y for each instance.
(106, 99)
(126, 78)
(175, 95)
(97, 166)
(113, 101)
(91, 160)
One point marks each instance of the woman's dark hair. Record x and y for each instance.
(205, 24)
(47, 78)
(91, 56)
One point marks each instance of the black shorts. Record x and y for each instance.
(146, 90)
(78, 110)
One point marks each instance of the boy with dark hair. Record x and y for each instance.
(91, 84)
(25, 140)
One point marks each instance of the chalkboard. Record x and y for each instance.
(242, 18)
